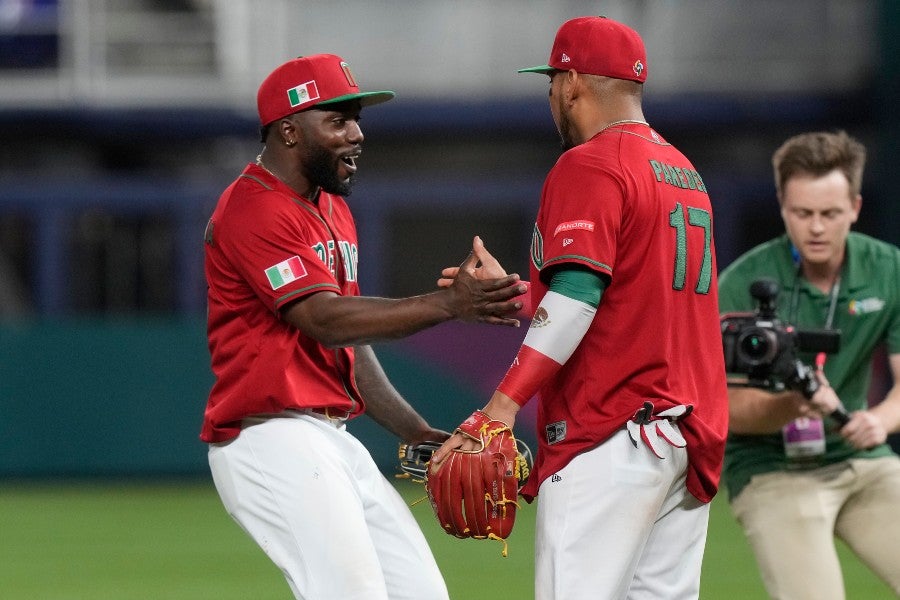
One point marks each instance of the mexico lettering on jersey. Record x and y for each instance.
(628, 205)
(348, 254)
(266, 248)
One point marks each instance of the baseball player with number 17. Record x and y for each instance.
(624, 350)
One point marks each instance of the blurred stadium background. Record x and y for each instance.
(122, 120)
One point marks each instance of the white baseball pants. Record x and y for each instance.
(618, 523)
(312, 498)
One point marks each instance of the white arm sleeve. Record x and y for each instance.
(558, 326)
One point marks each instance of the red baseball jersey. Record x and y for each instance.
(265, 248)
(629, 206)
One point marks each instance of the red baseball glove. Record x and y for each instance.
(473, 493)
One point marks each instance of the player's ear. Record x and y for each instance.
(288, 132)
(571, 88)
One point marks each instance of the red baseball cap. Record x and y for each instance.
(309, 81)
(597, 46)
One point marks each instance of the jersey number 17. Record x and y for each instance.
(696, 217)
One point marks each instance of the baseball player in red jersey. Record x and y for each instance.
(288, 337)
(624, 350)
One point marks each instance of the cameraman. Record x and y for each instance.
(795, 478)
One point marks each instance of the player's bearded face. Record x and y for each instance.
(332, 142)
(323, 166)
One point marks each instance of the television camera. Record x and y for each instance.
(764, 348)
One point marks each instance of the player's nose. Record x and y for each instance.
(354, 133)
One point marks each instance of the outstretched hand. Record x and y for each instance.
(486, 267)
(482, 291)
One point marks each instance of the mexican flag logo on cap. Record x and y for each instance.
(303, 93)
(285, 272)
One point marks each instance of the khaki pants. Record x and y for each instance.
(791, 518)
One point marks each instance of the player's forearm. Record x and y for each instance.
(337, 321)
(384, 404)
(353, 320)
(753, 411)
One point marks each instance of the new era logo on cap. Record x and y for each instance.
(303, 93)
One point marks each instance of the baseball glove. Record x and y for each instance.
(473, 493)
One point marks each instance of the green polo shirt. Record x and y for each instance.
(867, 313)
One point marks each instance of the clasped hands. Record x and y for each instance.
(495, 296)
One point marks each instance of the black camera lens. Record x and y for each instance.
(757, 346)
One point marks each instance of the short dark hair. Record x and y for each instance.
(819, 153)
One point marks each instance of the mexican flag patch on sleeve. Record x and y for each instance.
(285, 272)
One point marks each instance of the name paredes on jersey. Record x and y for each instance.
(680, 177)
(349, 254)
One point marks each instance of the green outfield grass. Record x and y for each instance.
(173, 541)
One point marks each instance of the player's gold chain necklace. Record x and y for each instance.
(622, 122)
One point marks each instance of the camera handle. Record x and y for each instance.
(803, 379)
